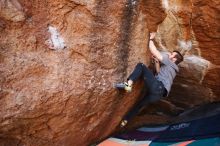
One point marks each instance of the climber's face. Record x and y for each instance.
(172, 56)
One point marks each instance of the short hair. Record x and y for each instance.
(178, 56)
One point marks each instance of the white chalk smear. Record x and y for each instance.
(133, 2)
(197, 60)
(165, 4)
(56, 41)
(186, 45)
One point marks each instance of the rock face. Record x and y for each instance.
(59, 59)
(195, 25)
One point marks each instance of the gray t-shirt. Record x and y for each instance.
(167, 72)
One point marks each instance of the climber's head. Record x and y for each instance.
(176, 57)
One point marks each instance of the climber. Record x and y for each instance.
(155, 65)
(158, 86)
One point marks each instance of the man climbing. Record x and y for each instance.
(157, 86)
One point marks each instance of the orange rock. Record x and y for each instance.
(64, 95)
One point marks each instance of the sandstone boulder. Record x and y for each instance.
(59, 60)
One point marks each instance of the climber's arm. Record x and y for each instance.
(153, 48)
(157, 65)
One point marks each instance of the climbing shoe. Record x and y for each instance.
(123, 123)
(124, 86)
